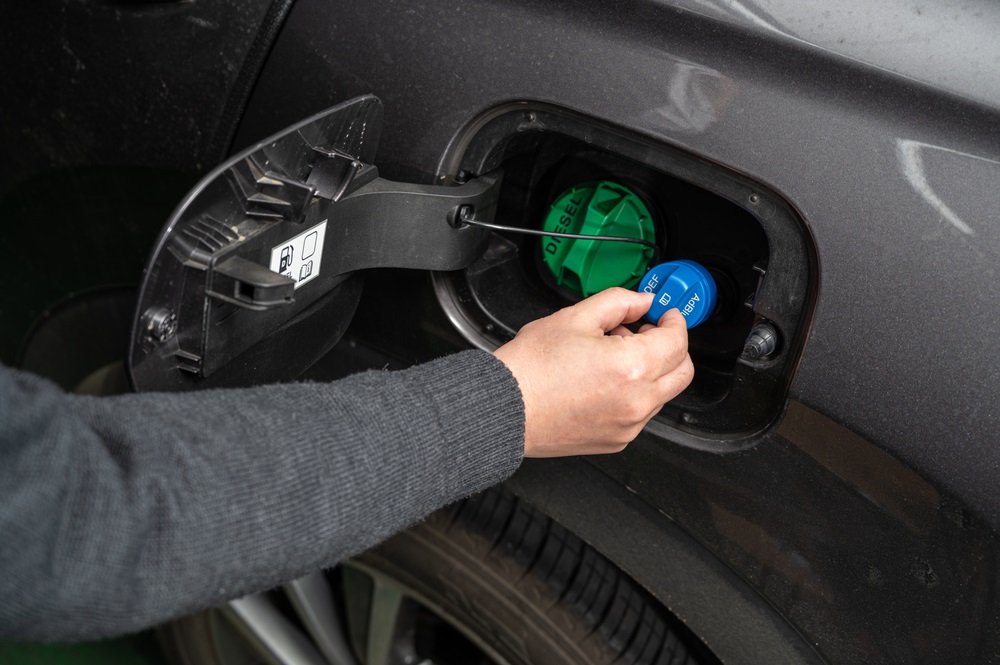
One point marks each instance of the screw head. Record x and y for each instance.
(159, 323)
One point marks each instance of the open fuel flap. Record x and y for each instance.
(258, 272)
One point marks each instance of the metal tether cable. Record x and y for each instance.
(557, 234)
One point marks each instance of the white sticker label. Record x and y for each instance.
(299, 258)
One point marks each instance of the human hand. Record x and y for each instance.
(589, 384)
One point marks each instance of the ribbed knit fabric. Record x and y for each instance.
(117, 513)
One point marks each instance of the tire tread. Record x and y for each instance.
(612, 607)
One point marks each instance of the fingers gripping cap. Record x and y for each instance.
(684, 285)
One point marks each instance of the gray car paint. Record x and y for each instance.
(878, 124)
(895, 179)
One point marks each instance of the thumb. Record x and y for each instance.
(612, 307)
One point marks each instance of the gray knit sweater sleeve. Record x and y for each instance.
(118, 513)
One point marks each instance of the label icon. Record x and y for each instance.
(286, 258)
(299, 258)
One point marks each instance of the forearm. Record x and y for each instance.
(121, 512)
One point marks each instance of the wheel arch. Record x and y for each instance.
(697, 587)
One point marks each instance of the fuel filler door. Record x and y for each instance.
(259, 270)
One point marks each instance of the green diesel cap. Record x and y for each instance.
(597, 208)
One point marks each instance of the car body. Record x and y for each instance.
(852, 517)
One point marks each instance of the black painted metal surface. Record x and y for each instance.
(90, 82)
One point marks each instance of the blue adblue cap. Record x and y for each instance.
(683, 284)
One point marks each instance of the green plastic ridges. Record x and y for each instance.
(600, 207)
